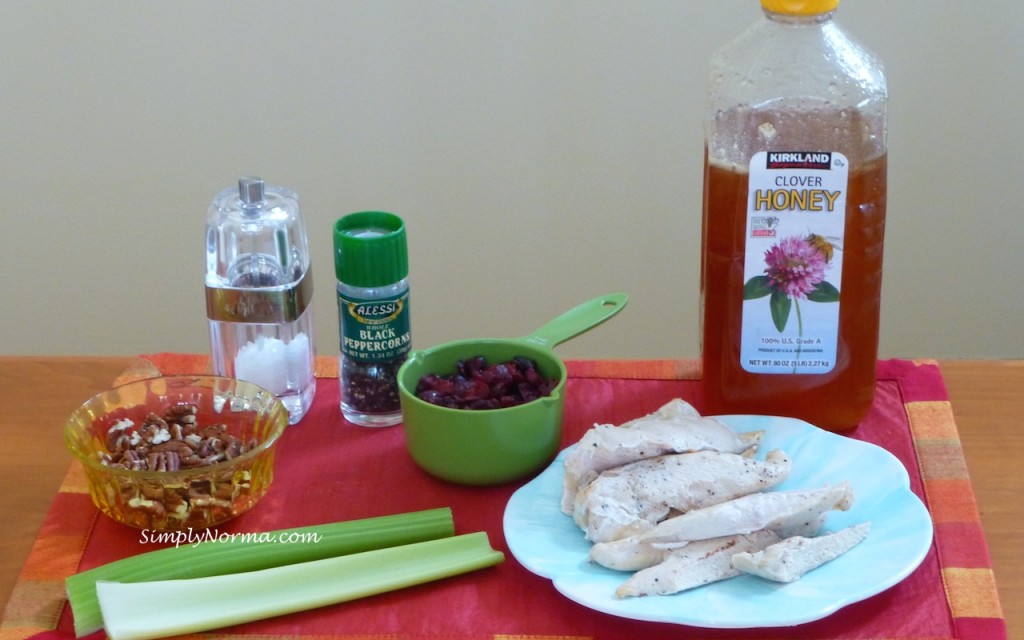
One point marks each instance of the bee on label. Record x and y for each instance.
(827, 245)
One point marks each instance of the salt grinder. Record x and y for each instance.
(259, 286)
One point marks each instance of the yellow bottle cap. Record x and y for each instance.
(800, 7)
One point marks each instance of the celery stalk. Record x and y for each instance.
(145, 610)
(252, 553)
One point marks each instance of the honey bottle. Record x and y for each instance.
(793, 219)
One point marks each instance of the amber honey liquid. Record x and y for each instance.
(836, 400)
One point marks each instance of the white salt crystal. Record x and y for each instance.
(273, 364)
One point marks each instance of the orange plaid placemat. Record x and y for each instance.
(952, 596)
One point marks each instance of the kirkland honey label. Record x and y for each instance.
(793, 266)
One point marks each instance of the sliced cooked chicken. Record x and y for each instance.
(628, 554)
(772, 510)
(672, 409)
(698, 563)
(676, 427)
(632, 498)
(806, 528)
(791, 558)
(785, 511)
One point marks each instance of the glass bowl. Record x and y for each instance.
(149, 465)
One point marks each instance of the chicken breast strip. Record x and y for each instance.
(791, 558)
(676, 427)
(806, 528)
(771, 510)
(628, 554)
(633, 498)
(699, 563)
(784, 511)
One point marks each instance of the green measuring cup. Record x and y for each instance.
(494, 446)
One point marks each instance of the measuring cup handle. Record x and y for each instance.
(577, 320)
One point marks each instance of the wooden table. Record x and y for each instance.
(39, 392)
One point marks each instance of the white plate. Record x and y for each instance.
(548, 543)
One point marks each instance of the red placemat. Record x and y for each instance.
(329, 470)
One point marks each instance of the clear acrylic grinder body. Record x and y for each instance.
(259, 289)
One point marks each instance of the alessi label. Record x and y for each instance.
(374, 330)
(376, 312)
(796, 217)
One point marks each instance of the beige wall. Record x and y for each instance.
(541, 151)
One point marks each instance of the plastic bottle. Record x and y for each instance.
(794, 218)
(259, 286)
(372, 266)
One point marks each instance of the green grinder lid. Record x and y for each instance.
(370, 249)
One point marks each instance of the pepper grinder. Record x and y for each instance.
(259, 286)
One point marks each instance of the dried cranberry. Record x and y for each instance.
(478, 386)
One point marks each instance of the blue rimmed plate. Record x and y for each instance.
(548, 543)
